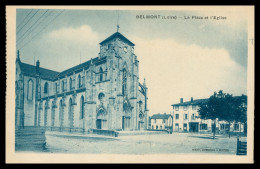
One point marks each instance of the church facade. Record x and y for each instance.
(102, 93)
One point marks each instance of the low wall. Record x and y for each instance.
(112, 133)
(66, 129)
(163, 130)
(30, 139)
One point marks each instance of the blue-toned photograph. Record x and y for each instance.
(132, 82)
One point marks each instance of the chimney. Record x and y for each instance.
(37, 67)
(191, 99)
(181, 100)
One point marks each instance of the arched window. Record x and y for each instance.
(101, 98)
(53, 113)
(70, 84)
(124, 85)
(56, 88)
(61, 114)
(100, 74)
(45, 113)
(81, 107)
(79, 81)
(46, 88)
(62, 86)
(70, 113)
(16, 93)
(30, 90)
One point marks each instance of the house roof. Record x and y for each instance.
(160, 116)
(203, 101)
(44, 73)
(194, 102)
(117, 35)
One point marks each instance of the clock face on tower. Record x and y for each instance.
(125, 49)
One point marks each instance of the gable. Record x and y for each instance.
(117, 35)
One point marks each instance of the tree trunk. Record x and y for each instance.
(229, 129)
(245, 128)
(214, 129)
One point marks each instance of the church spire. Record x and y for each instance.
(144, 84)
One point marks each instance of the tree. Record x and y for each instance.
(227, 111)
(240, 112)
(234, 109)
(212, 109)
(224, 106)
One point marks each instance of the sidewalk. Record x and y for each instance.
(77, 135)
(140, 132)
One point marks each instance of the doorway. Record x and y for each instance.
(140, 125)
(99, 124)
(185, 127)
(194, 127)
(125, 122)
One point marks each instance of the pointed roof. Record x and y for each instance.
(117, 35)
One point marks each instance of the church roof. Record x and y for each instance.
(47, 74)
(85, 65)
(160, 116)
(117, 35)
(30, 70)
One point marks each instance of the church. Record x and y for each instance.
(103, 93)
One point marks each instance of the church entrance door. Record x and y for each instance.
(99, 124)
(140, 125)
(125, 122)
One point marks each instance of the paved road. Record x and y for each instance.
(144, 144)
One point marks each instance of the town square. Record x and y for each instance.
(131, 82)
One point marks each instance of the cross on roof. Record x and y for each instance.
(117, 27)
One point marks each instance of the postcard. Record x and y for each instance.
(130, 84)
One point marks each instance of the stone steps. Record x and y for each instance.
(241, 147)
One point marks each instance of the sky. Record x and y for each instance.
(179, 58)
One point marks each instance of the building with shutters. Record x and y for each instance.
(186, 118)
(102, 93)
(161, 122)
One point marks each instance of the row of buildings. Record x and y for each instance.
(185, 118)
